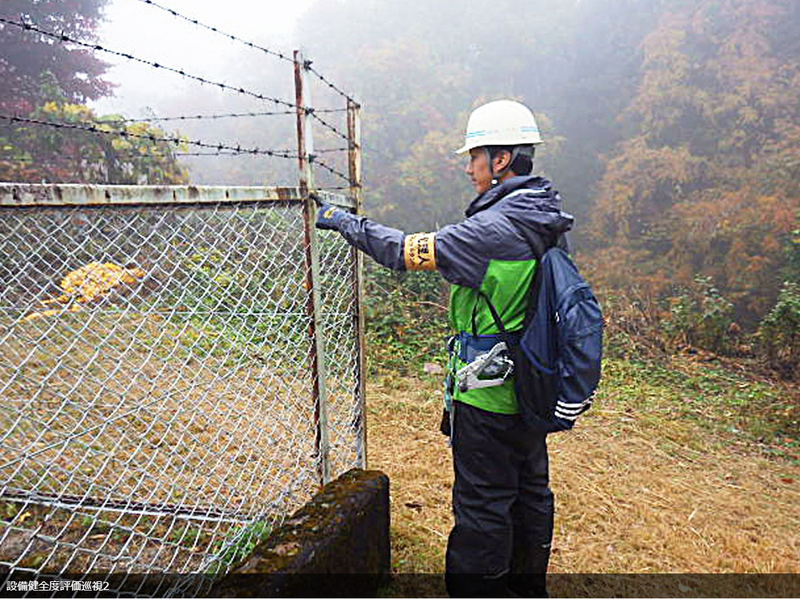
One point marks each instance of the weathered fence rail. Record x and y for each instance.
(180, 368)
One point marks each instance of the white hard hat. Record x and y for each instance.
(500, 123)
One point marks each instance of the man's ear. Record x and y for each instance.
(501, 160)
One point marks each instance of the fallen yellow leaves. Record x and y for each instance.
(94, 280)
(87, 284)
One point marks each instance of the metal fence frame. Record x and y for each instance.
(15, 195)
(16, 198)
(22, 195)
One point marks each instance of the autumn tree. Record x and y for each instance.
(708, 181)
(420, 67)
(25, 55)
(86, 148)
(49, 82)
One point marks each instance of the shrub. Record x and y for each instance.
(779, 331)
(700, 316)
(406, 319)
(632, 323)
(793, 253)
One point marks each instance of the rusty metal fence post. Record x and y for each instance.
(305, 149)
(354, 170)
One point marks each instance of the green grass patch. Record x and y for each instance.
(238, 546)
(724, 402)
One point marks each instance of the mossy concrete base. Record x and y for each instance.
(336, 545)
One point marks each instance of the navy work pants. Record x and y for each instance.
(502, 505)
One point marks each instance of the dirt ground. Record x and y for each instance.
(636, 492)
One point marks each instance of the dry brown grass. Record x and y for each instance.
(404, 441)
(122, 409)
(646, 492)
(144, 420)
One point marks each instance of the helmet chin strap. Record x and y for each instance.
(496, 176)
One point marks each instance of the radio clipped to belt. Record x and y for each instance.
(488, 364)
(486, 370)
(488, 361)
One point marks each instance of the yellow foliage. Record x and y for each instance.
(95, 280)
(119, 144)
(87, 284)
(70, 111)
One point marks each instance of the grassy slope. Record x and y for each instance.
(680, 468)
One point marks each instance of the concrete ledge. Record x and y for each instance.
(337, 545)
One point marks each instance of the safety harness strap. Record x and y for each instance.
(497, 321)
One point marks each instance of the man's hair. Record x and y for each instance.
(523, 163)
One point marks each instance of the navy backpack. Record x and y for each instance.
(557, 357)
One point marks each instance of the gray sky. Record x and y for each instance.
(153, 34)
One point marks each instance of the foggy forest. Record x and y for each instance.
(671, 129)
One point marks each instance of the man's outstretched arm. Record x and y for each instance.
(388, 246)
(460, 252)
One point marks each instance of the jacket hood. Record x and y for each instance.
(529, 202)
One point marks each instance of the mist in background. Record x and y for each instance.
(152, 34)
(418, 68)
(671, 127)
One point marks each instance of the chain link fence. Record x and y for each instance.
(159, 407)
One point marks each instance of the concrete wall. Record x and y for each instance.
(337, 545)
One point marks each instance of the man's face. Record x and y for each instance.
(478, 170)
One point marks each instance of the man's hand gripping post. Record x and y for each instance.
(328, 216)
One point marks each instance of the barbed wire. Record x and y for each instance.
(62, 37)
(224, 115)
(281, 153)
(217, 153)
(315, 161)
(132, 155)
(174, 13)
(330, 85)
(153, 138)
(198, 117)
(227, 115)
(235, 153)
(327, 125)
(275, 53)
(329, 150)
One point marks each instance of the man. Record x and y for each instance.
(503, 508)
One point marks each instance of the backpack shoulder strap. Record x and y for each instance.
(540, 244)
(497, 321)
